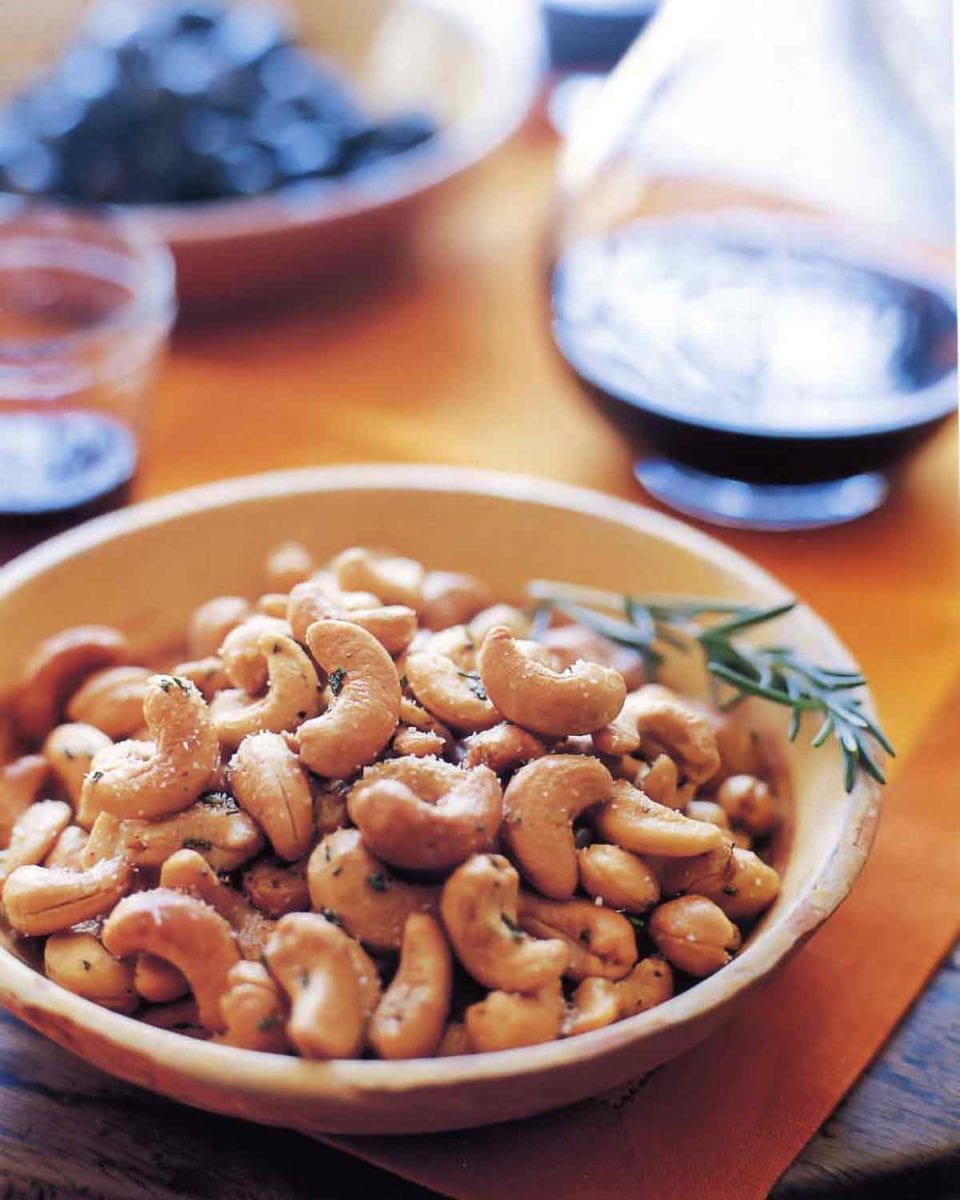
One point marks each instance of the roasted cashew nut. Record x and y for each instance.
(363, 716)
(68, 849)
(620, 879)
(187, 871)
(411, 1018)
(507, 615)
(20, 783)
(254, 1010)
(292, 695)
(419, 730)
(505, 1020)
(742, 749)
(277, 888)
(752, 887)
(479, 910)
(597, 1002)
(394, 579)
(69, 751)
(56, 668)
(453, 696)
(540, 805)
(242, 655)
(694, 934)
(287, 565)
(660, 780)
(320, 598)
(452, 598)
(158, 981)
(594, 1004)
(33, 836)
(501, 748)
(748, 802)
(272, 604)
(317, 965)
(329, 804)
(580, 700)
(393, 625)
(352, 887)
(635, 822)
(162, 776)
(271, 786)
(185, 931)
(417, 743)
(111, 700)
(455, 643)
(215, 827)
(710, 811)
(40, 900)
(79, 963)
(206, 674)
(599, 941)
(649, 983)
(570, 643)
(654, 721)
(180, 1017)
(425, 814)
(736, 880)
(212, 621)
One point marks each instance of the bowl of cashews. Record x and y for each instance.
(307, 817)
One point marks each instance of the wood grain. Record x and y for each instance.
(69, 1131)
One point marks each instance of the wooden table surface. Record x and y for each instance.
(447, 359)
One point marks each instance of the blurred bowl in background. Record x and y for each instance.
(474, 67)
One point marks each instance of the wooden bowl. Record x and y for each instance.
(475, 67)
(145, 569)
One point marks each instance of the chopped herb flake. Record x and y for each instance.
(170, 681)
(196, 844)
(377, 882)
(271, 1021)
(475, 684)
(515, 931)
(219, 801)
(336, 680)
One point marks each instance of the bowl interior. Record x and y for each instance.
(145, 570)
(148, 580)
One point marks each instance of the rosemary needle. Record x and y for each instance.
(774, 673)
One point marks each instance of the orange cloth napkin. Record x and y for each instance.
(726, 1119)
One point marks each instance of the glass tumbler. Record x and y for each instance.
(87, 300)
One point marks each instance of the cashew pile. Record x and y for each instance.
(368, 815)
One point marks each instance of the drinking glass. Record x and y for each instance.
(86, 306)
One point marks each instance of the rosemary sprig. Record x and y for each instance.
(737, 667)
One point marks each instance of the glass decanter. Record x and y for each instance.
(752, 252)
